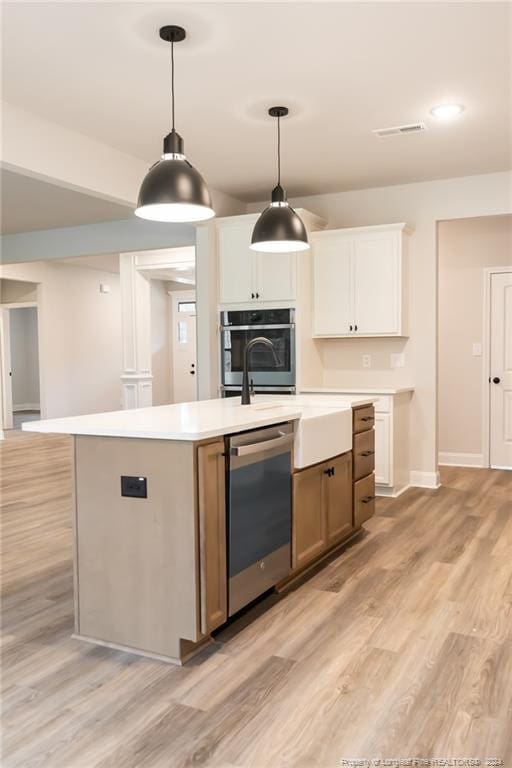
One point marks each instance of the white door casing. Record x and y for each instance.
(6, 378)
(500, 371)
(184, 357)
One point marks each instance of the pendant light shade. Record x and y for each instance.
(279, 229)
(173, 190)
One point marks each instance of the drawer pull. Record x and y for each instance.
(367, 418)
(367, 499)
(367, 453)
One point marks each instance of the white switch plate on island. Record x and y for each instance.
(397, 360)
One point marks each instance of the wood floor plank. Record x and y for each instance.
(401, 645)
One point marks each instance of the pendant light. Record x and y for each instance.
(172, 189)
(279, 229)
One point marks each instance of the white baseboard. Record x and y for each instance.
(424, 479)
(26, 407)
(390, 493)
(461, 459)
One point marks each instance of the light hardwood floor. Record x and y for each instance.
(400, 647)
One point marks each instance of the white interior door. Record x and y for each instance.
(184, 362)
(6, 373)
(501, 371)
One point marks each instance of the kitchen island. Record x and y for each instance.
(150, 526)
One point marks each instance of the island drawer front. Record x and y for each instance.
(364, 418)
(364, 454)
(364, 500)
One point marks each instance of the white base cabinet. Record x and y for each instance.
(360, 281)
(392, 465)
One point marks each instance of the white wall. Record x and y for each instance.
(24, 358)
(421, 205)
(79, 337)
(160, 343)
(466, 247)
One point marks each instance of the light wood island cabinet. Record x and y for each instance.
(322, 508)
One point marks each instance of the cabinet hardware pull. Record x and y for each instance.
(355, 327)
(367, 453)
(367, 499)
(257, 295)
(350, 327)
(330, 471)
(367, 418)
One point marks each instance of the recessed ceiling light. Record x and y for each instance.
(447, 111)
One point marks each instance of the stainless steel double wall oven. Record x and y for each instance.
(237, 329)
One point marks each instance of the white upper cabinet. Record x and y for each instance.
(247, 276)
(359, 278)
(236, 271)
(276, 276)
(332, 285)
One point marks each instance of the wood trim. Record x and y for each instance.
(212, 536)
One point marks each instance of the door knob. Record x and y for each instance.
(192, 373)
(496, 380)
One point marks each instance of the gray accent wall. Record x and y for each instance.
(107, 237)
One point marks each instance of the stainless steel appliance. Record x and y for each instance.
(259, 499)
(237, 329)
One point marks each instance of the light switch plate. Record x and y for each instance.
(477, 349)
(367, 361)
(397, 360)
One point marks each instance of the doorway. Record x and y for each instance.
(184, 363)
(475, 342)
(19, 341)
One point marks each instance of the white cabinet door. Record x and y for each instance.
(276, 276)
(377, 284)
(236, 265)
(382, 449)
(332, 289)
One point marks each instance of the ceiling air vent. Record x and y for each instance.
(397, 130)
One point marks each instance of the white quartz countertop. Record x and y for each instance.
(197, 420)
(325, 399)
(182, 421)
(356, 390)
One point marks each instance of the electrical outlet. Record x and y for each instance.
(367, 361)
(477, 349)
(397, 360)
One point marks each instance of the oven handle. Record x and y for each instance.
(256, 327)
(263, 445)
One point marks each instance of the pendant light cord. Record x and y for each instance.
(172, 83)
(279, 150)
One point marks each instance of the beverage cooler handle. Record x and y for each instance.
(263, 445)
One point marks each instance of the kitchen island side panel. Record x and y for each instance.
(137, 565)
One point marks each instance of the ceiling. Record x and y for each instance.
(28, 204)
(343, 68)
